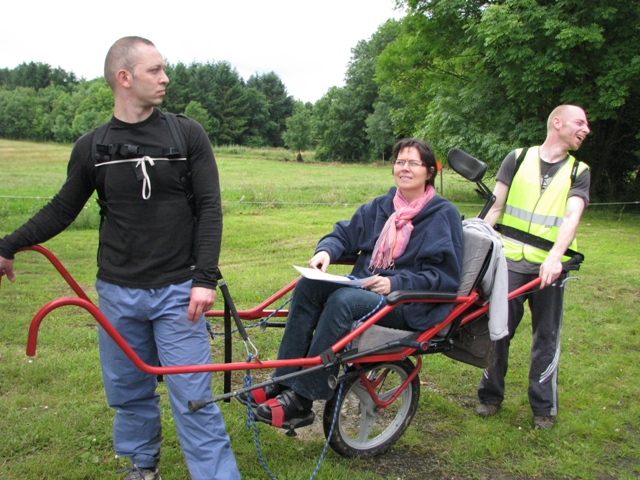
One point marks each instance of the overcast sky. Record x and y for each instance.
(307, 43)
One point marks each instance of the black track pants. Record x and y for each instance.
(546, 308)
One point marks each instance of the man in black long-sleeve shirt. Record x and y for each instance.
(157, 263)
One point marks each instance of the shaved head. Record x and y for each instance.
(123, 55)
(561, 112)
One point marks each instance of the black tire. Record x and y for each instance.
(361, 430)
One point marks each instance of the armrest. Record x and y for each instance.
(400, 295)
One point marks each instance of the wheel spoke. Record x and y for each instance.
(364, 429)
(384, 396)
(366, 401)
(367, 416)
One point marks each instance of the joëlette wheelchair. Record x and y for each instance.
(379, 387)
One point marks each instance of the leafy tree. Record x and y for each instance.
(41, 103)
(221, 91)
(196, 111)
(338, 127)
(298, 135)
(343, 112)
(42, 125)
(45, 116)
(63, 111)
(62, 130)
(5, 77)
(427, 70)
(279, 105)
(180, 88)
(380, 132)
(581, 53)
(94, 108)
(484, 76)
(18, 110)
(230, 104)
(36, 75)
(259, 124)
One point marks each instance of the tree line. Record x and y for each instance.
(44, 104)
(475, 74)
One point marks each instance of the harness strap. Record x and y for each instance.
(530, 239)
(277, 414)
(259, 395)
(106, 151)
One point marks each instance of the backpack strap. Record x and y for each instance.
(177, 135)
(574, 171)
(102, 152)
(178, 138)
(519, 160)
(99, 150)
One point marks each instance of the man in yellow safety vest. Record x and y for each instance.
(540, 191)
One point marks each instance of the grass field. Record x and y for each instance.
(55, 423)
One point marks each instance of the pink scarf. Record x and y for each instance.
(396, 232)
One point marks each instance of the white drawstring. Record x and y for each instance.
(146, 182)
(142, 163)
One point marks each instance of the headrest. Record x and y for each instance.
(464, 164)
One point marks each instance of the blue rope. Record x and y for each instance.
(336, 411)
(252, 425)
(364, 317)
(251, 420)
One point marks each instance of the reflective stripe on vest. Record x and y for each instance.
(529, 217)
(529, 210)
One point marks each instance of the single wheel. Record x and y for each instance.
(362, 428)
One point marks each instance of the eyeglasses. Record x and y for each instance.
(412, 163)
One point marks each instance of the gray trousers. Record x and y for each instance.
(546, 308)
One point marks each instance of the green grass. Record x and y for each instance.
(53, 416)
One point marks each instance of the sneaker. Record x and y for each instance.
(136, 473)
(485, 410)
(543, 423)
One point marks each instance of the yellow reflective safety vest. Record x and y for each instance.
(532, 211)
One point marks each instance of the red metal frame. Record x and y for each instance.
(83, 301)
(260, 311)
(371, 386)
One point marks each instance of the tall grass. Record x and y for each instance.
(54, 422)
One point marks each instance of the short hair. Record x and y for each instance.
(426, 155)
(122, 55)
(559, 111)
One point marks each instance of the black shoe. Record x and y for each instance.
(261, 395)
(136, 473)
(485, 410)
(287, 407)
(543, 422)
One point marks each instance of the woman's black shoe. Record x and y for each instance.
(285, 408)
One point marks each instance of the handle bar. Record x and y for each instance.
(573, 263)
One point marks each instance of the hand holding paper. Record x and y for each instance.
(314, 274)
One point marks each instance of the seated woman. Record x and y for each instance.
(410, 239)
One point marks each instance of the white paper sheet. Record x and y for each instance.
(314, 274)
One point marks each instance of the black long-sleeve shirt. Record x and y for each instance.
(143, 243)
